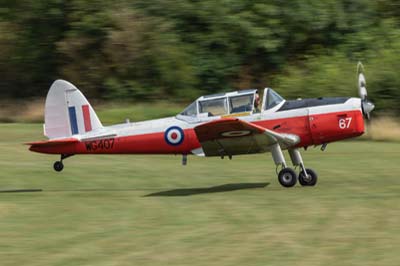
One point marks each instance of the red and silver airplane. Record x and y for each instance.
(223, 125)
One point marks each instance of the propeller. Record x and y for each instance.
(366, 105)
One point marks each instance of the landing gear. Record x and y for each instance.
(58, 165)
(307, 177)
(287, 177)
(308, 180)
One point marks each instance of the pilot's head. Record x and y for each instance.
(257, 100)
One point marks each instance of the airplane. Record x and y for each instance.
(224, 125)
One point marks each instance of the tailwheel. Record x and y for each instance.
(287, 177)
(308, 180)
(58, 166)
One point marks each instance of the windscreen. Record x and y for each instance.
(273, 99)
(191, 110)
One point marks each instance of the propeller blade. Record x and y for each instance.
(361, 80)
(366, 105)
(362, 83)
(362, 92)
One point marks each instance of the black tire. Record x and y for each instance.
(311, 181)
(58, 166)
(287, 177)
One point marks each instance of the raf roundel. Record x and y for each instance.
(174, 136)
(236, 133)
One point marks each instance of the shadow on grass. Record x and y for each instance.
(166, 193)
(76, 190)
(194, 191)
(20, 190)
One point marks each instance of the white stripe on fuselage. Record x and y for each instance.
(160, 125)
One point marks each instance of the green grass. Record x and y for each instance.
(150, 210)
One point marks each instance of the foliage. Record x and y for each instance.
(147, 50)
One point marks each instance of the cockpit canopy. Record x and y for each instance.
(222, 104)
(236, 103)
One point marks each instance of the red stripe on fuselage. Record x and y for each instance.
(319, 128)
(326, 130)
(86, 118)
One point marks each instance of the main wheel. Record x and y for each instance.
(287, 177)
(58, 166)
(311, 180)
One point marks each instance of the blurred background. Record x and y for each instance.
(178, 50)
(142, 59)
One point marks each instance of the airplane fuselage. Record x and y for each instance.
(315, 121)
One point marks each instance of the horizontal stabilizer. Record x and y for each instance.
(104, 135)
(53, 142)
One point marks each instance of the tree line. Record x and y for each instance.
(180, 49)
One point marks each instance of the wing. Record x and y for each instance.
(232, 136)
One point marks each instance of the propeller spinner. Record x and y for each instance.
(367, 106)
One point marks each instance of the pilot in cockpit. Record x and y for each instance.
(257, 102)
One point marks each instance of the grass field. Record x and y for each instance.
(150, 210)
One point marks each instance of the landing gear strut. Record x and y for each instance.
(58, 165)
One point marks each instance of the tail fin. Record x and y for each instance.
(67, 112)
